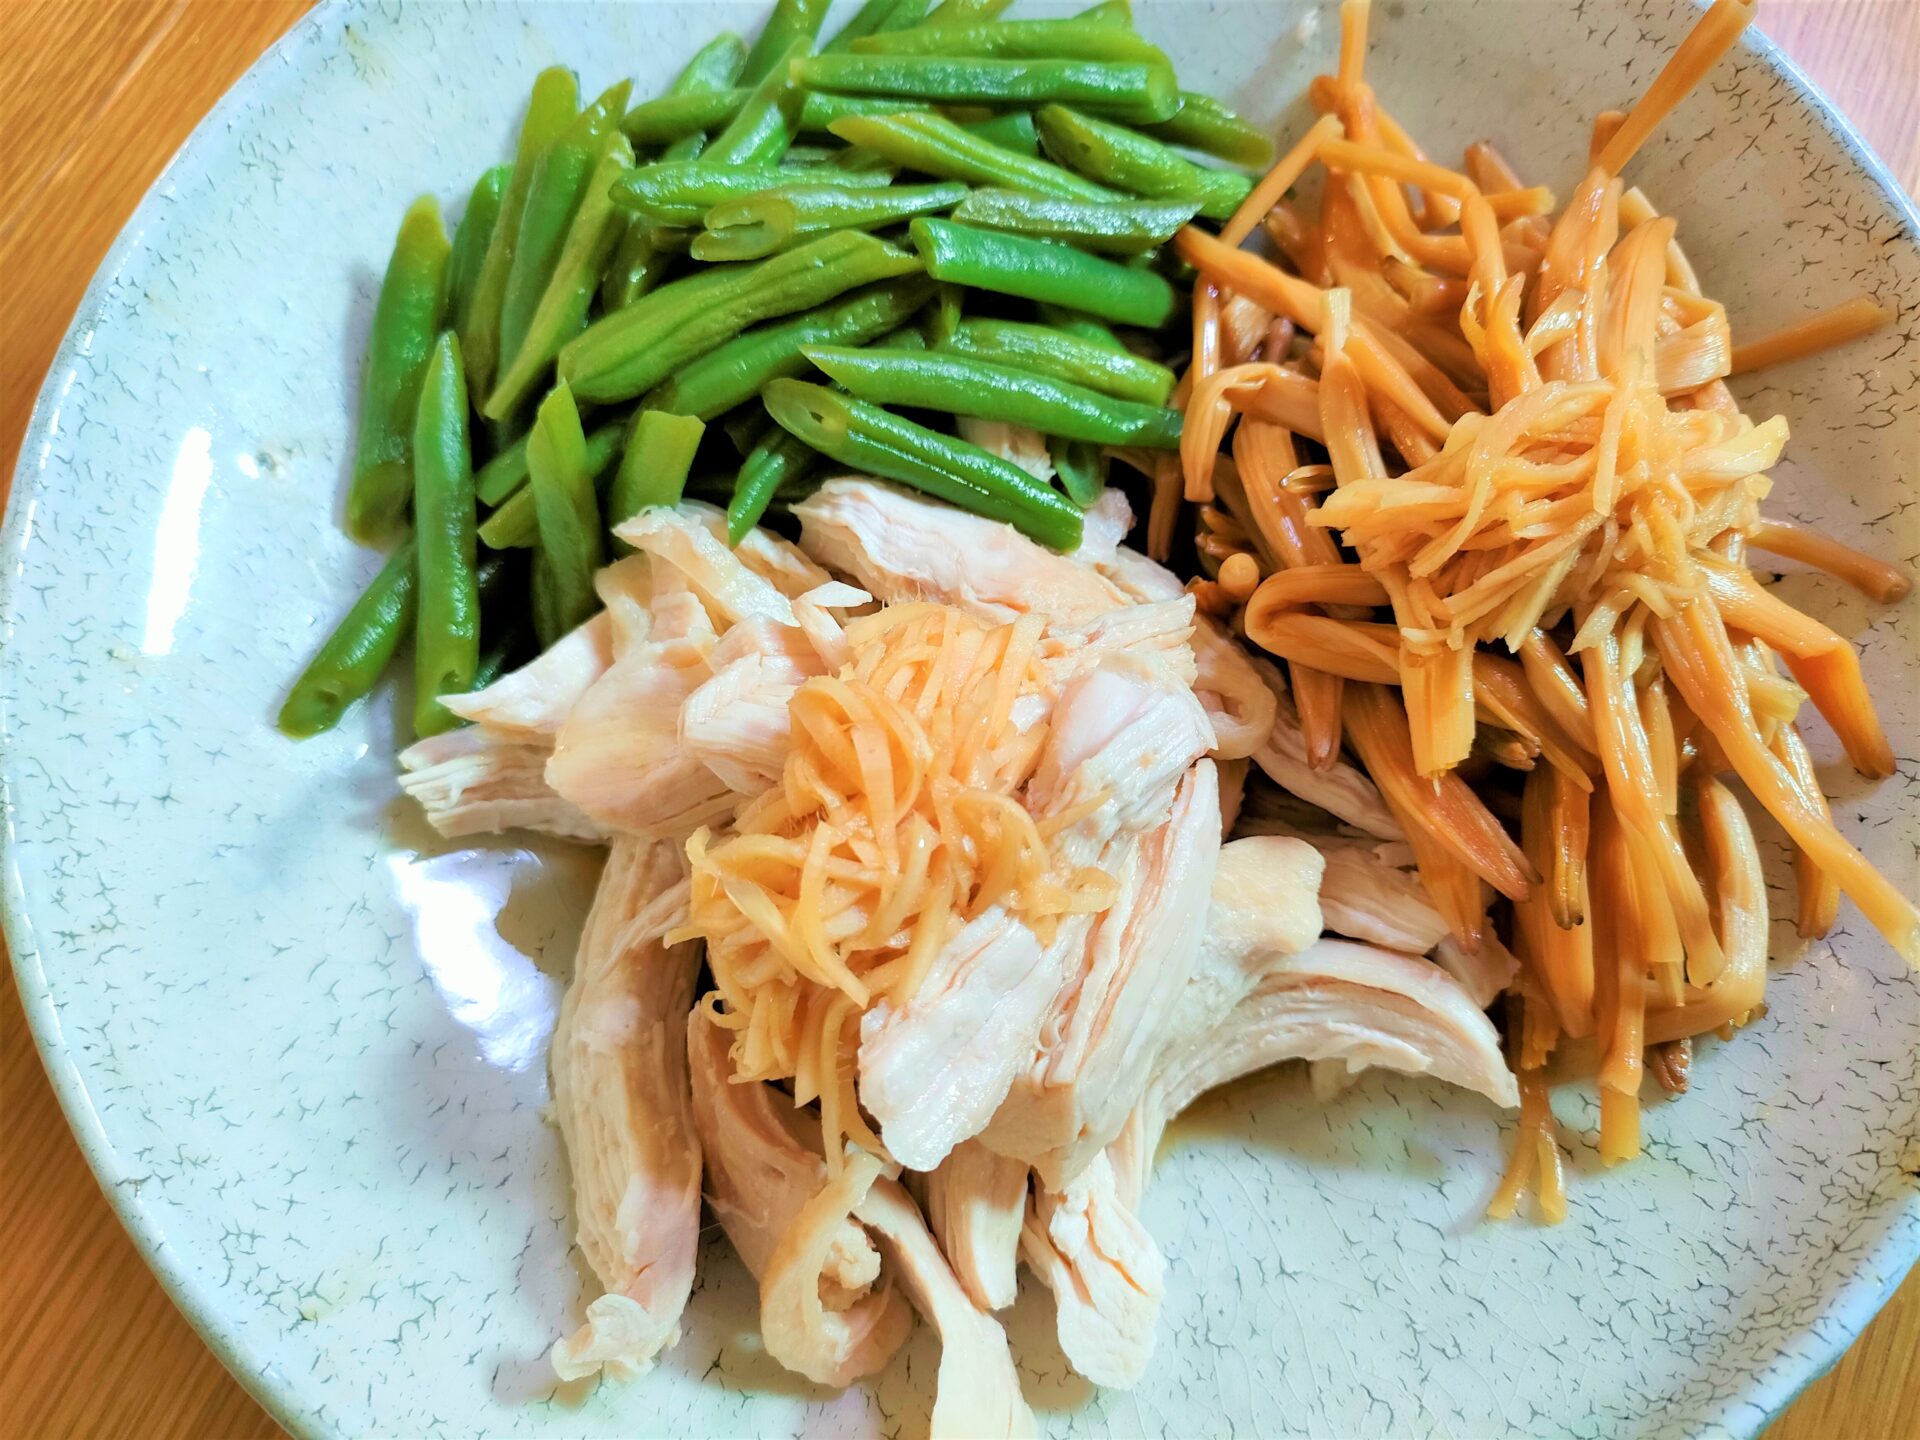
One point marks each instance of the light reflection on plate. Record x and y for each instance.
(492, 988)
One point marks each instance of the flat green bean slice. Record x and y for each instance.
(1081, 467)
(768, 119)
(568, 514)
(551, 108)
(583, 259)
(876, 17)
(792, 23)
(471, 238)
(554, 196)
(778, 462)
(350, 662)
(514, 525)
(653, 471)
(682, 192)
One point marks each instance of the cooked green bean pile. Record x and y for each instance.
(804, 252)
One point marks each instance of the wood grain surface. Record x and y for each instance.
(95, 96)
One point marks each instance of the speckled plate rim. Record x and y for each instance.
(1853, 1306)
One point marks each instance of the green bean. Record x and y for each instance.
(1050, 351)
(1128, 160)
(678, 114)
(1132, 90)
(1036, 270)
(1013, 131)
(964, 385)
(1076, 39)
(654, 469)
(876, 17)
(948, 303)
(780, 218)
(714, 66)
(682, 192)
(583, 258)
(446, 632)
(470, 240)
(1081, 468)
(1119, 227)
(554, 196)
(568, 514)
(351, 660)
(633, 350)
(778, 462)
(1202, 123)
(935, 145)
(734, 373)
(768, 118)
(1080, 325)
(549, 111)
(793, 22)
(639, 260)
(405, 319)
(513, 525)
(505, 474)
(821, 110)
(964, 12)
(876, 442)
(1108, 12)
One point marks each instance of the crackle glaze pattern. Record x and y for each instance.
(303, 1041)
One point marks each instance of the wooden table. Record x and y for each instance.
(94, 96)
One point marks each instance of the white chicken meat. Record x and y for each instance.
(621, 1098)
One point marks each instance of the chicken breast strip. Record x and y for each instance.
(491, 777)
(621, 1097)
(977, 1394)
(1111, 1018)
(1106, 1274)
(902, 547)
(1083, 1240)
(934, 1070)
(976, 1204)
(763, 1168)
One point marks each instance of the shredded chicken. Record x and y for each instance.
(977, 1394)
(976, 1201)
(620, 1093)
(473, 782)
(934, 1069)
(1340, 789)
(1107, 1276)
(808, 1323)
(901, 547)
(491, 776)
(1114, 1013)
(1358, 1004)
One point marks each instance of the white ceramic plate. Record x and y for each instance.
(303, 1042)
